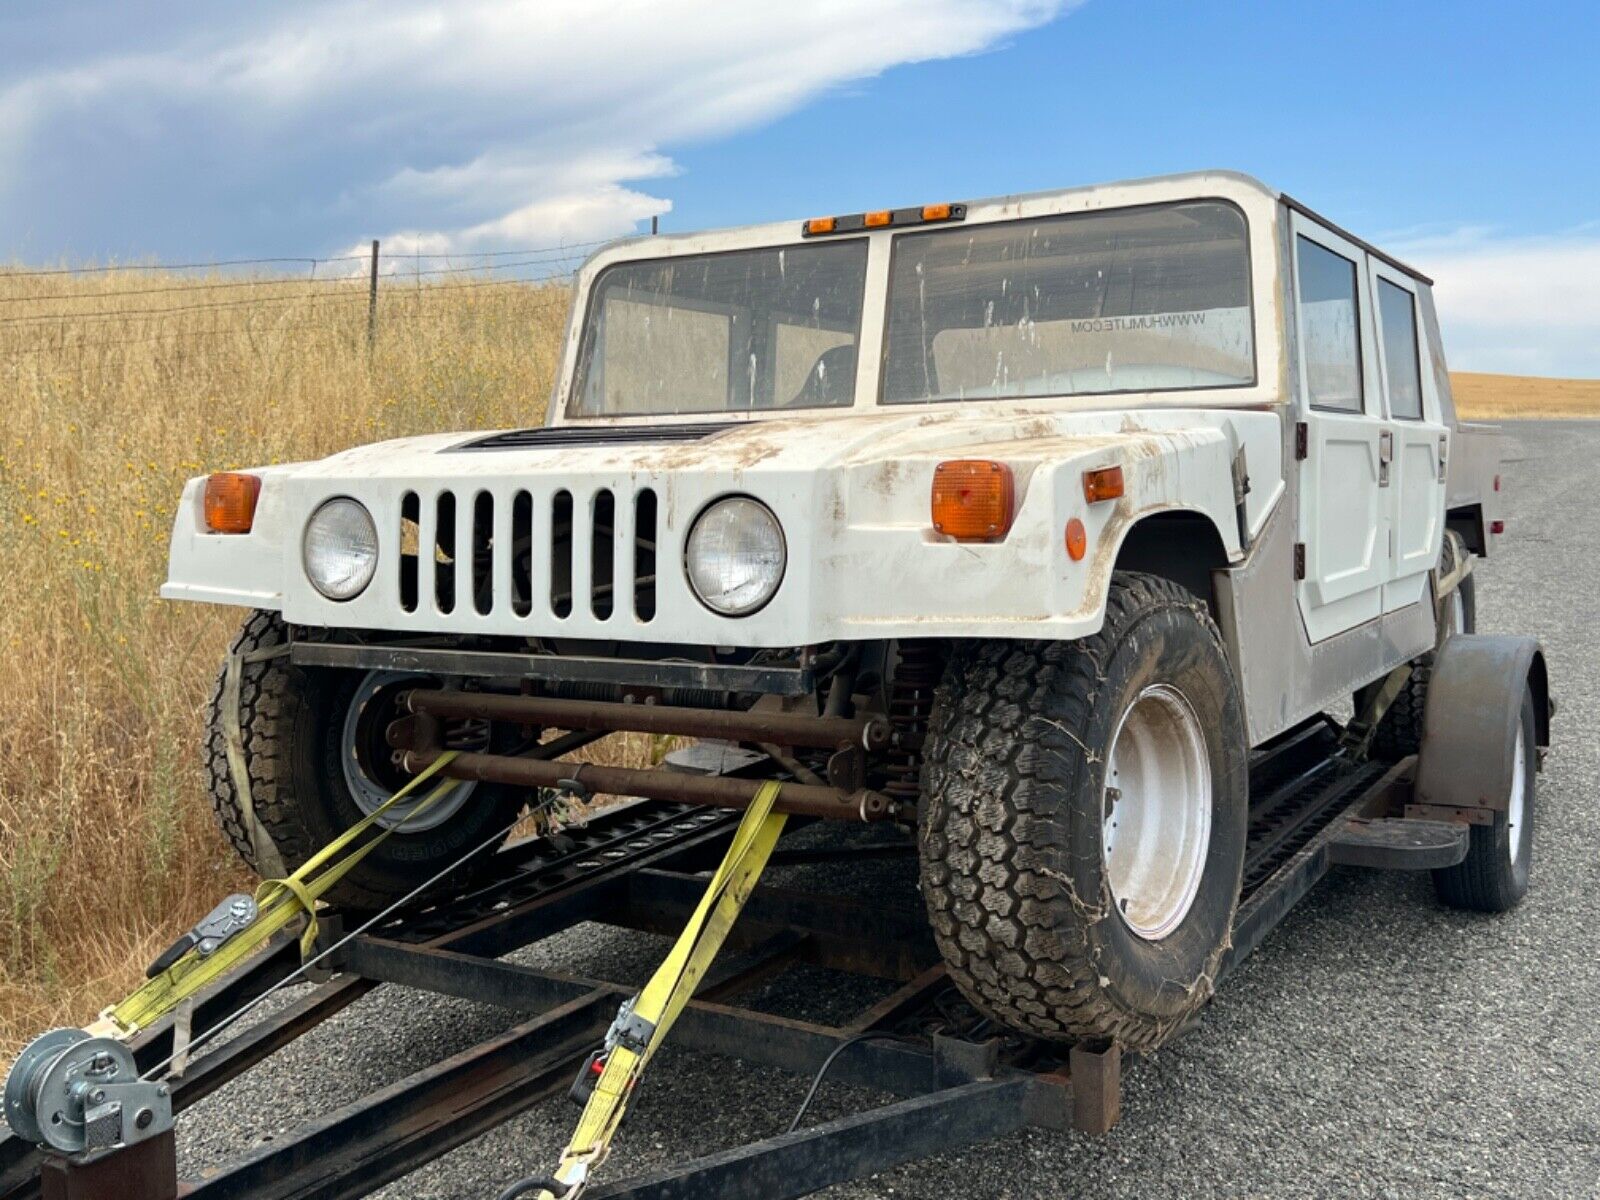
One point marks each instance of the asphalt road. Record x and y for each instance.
(1376, 1045)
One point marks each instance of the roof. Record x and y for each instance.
(1204, 183)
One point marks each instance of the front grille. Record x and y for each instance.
(530, 554)
(560, 437)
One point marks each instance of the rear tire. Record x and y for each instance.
(1495, 874)
(293, 724)
(1399, 732)
(1022, 853)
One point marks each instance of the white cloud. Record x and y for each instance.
(1515, 305)
(469, 123)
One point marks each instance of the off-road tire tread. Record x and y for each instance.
(1399, 731)
(268, 704)
(989, 829)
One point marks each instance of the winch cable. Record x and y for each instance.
(378, 917)
(643, 1021)
(279, 902)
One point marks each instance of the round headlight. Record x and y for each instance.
(340, 549)
(735, 556)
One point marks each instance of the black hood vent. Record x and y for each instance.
(561, 436)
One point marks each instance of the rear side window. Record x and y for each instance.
(1397, 315)
(1139, 300)
(1330, 326)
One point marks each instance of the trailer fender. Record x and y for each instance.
(1474, 707)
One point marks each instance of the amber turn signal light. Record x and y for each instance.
(230, 501)
(1104, 484)
(819, 225)
(972, 499)
(875, 220)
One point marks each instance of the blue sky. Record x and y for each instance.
(1465, 136)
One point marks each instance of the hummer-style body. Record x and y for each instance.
(1065, 500)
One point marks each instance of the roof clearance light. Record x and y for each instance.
(883, 218)
(230, 501)
(972, 499)
(1103, 484)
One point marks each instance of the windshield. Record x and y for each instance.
(1144, 299)
(734, 332)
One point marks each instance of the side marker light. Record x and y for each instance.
(1077, 540)
(1103, 484)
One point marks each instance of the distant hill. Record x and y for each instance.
(1486, 397)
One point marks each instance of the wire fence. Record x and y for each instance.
(329, 284)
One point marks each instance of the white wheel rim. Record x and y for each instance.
(371, 794)
(1517, 802)
(1156, 826)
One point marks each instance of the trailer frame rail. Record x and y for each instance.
(954, 1079)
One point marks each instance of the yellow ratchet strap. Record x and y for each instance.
(643, 1023)
(279, 902)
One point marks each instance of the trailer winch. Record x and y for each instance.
(78, 1094)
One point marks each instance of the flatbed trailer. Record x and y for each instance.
(641, 866)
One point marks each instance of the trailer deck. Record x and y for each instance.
(640, 866)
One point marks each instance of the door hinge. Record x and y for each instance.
(1299, 560)
(1302, 440)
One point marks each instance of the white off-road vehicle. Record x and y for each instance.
(1023, 523)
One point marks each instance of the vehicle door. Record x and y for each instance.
(1342, 554)
(1419, 439)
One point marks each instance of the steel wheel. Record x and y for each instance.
(1455, 613)
(1517, 802)
(372, 768)
(1157, 824)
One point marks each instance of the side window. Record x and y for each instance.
(1397, 316)
(1330, 326)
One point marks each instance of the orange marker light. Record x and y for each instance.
(935, 212)
(230, 502)
(972, 499)
(1077, 540)
(1104, 484)
(819, 225)
(873, 220)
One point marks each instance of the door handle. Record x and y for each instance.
(1385, 456)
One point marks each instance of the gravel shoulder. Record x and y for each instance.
(1376, 1045)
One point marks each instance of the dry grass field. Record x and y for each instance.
(117, 387)
(1523, 397)
(106, 844)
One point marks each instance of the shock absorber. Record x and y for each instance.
(916, 674)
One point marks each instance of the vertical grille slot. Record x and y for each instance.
(444, 553)
(561, 554)
(410, 549)
(602, 555)
(644, 554)
(521, 551)
(482, 553)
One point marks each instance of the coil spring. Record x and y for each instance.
(910, 703)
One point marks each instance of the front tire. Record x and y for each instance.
(298, 728)
(1053, 912)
